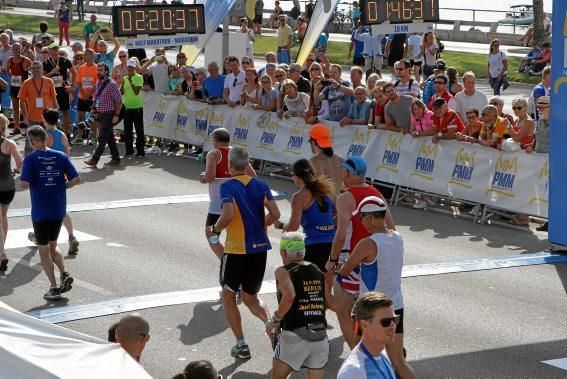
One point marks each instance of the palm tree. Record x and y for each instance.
(539, 15)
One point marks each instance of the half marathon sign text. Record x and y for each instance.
(141, 42)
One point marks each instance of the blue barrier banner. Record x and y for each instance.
(557, 161)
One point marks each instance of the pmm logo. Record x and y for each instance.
(544, 181)
(425, 161)
(359, 142)
(464, 165)
(391, 153)
(182, 117)
(296, 138)
(159, 115)
(241, 130)
(504, 176)
(201, 122)
(217, 121)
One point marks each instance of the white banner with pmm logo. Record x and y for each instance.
(514, 181)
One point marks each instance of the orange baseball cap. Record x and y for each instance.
(321, 134)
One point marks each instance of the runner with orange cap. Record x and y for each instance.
(324, 160)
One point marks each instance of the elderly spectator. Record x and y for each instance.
(270, 57)
(530, 56)
(446, 121)
(542, 128)
(405, 84)
(213, 84)
(494, 127)
(397, 115)
(523, 130)
(132, 333)
(157, 67)
(498, 102)
(337, 91)
(356, 77)
(251, 91)
(541, 89)
(103, 55)
(469, 97)
(359, 111)
(233, 83)
(285, 38)
(421, 120)
(543, 59)
(371, 81)
(301, 310)
(372, 50)
(297, 103)
(268, 97)
(429, 84)
(497, 67)
(472, 128)
(302, 84)
(441, 92)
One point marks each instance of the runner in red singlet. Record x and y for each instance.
(18, 67)
(345, 288)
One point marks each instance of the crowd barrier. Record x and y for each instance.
(514, 181)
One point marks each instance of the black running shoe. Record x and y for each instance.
(4, 264)
(66, 282)
(53, 294)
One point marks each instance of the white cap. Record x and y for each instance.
(370, 204)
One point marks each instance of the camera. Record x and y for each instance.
(325, 82)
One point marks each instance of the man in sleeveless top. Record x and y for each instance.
(18, 67)
(301, 313)
(375, 314)
(324, 160)
(216, 172)
(346, 288)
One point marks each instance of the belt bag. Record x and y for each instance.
(312, 332)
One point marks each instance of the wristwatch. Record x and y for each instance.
(213, 230)
(333, 260)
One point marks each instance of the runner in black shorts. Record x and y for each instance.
(243, 270)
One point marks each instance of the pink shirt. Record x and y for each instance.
(424, 123)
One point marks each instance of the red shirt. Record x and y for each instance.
(358, 230)
(445, 95)
(450, 118)
(222, 165)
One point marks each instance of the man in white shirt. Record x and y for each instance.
(157, 66)
(234, 83)
(372, 50)
(413, 51)
(469, 97)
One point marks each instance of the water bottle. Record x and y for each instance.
(214, 239)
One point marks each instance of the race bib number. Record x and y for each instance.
(39, 102)
(16, 81)
(57, 81)
(87, 82)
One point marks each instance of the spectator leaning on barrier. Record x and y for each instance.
(447, 122)
(234, 83)
(297, 103)
(268, 97)
(498, 102)
(379, 101)
(300, 314)
(542, 128)
(523, 131)
(421, 120)
(494, 127)
(405, 84)
(132, 333)
(284, 40)
(359, 111)
(469, 97)
(213, 84)
(397, 113)
(134, 104)
(441, 92)
(472, 128)
(374, 313)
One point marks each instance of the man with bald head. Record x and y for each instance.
(132, 333)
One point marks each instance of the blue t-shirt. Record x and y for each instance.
(107, 58)
(45, 171)
(358, 46)
(213, 87)
(339, 103)
(322, 43)
(246, 233)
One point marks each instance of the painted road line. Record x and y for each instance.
(560, 363)
(103, 205)
(134, 303)
(18, 238)
(483, 264)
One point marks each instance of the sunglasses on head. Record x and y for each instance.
(386, 322)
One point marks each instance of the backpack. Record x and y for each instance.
(409, 86)
(441, 48)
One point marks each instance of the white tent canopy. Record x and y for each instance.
(30, 348)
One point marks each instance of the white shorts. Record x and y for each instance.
(369, 62)
(297, 353)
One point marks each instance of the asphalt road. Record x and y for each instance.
(495, 323)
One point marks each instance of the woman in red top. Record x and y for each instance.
(380, 100)
(523, 131)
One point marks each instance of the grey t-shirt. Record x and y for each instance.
(401, 112)
(542, 136)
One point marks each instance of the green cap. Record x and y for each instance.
(54, 46)
(292, 245)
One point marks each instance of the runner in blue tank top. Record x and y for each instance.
(312, 207)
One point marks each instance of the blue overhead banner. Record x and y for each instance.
(558, 150)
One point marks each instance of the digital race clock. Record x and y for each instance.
(398, 11)
(130, 21)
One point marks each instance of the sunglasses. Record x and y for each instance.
(517, 108)
(245, 62)
(234, 83)
(542, 106)
(386, 322)
(315, 69)
(122, 56)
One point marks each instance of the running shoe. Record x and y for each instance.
(66, 282)
(31, 237)
(77, 139)
(73, 245)
(242, 352)
(420, 204)
(4, 264)
(53, 294)
(93, 140)
(475, 210)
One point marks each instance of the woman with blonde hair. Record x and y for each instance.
(8, 150)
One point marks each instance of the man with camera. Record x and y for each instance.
(99, 44)
(106, 109)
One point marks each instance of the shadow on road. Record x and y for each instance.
(206, 322)
(21, 272)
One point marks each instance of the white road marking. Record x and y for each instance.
(18, 238)
(560, 363)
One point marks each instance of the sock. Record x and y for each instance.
(71, 237)
(3, 255)
(240, 341)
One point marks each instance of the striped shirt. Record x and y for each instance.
(105, 102)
